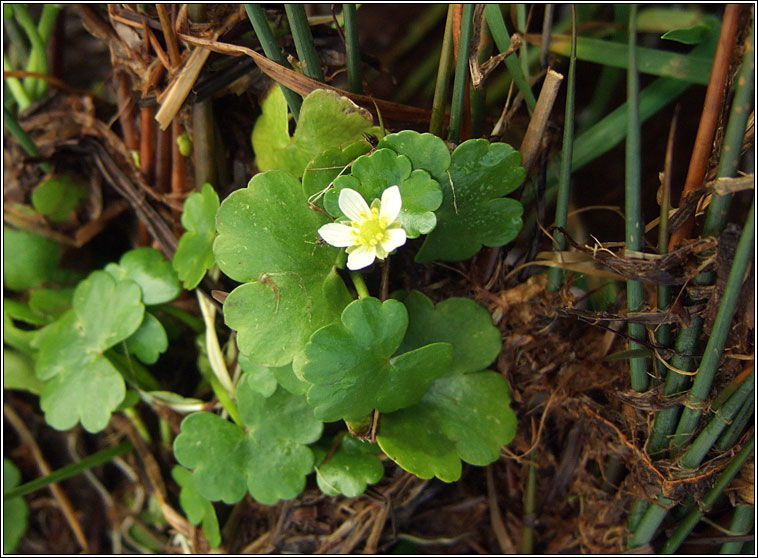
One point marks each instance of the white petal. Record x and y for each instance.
(352, 204)
(337, 234)
(395, 239)
(391, 204)
(361, 257)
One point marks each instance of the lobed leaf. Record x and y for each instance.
(57, 197)
(151, 271)
(197, 508)
(28, 259)
(351, 366)
(15, 510)
(270, 458)
(349, 469)
(321, 171)
(194, 253)
(474, 211)
(149, 341)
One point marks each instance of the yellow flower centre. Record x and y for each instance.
(372, 230)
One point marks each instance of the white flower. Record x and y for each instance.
(372, 232)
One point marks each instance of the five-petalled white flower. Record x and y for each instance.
(373, 231)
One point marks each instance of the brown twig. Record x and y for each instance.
(63, 502)
(126, 112)
(170, 35)
(709, 118)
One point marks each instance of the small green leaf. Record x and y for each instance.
(267, 237)
(321, 171)
(15, 510)
(151, 271)
(57, 197)
(28, 259)
(689, 35)
(18, 372)
(149, 341)
(351, 366)
(289, 380)
(372, 174)
(473, 212)
(22, 311)
(462, 417)
(81, 384)
(349, 469)
(259, 378)
(269, 458)
(458, 321)
(194, 253)
(327, 120)
(425, 151)
(197, 508)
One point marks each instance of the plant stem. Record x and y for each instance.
(352, 48)
(555, 275)
(708, 365)
(360, 284)
(633, 200)
(688, 524)
(742, 521)
(70, 470)
(526, 546)
(37, 57)
(733, 431)
(461, 75)
(272, 51)
(303, 38)
(443, 77)
(22, 137)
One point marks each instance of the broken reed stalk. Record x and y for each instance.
(461, 75)
(352, 48)
(701, 151)
(126, 112)
(203, 133)
(635, 295)
(437, 120)
(532, 141)
(177, 164)
(303, 39)
(147, 142)
(555, 275)
(272, 51)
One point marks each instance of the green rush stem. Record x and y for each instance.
(353, 49)
(69, 471)
(721, 419)
(742, 521)
(650, 521)
(733, 431)
(16, 39)
(632, 210)
(443, 77)
(686, 526)
(47, 20)
(360, 284)
(272, 51)
(22, 137)
(420, 76)
(461, 74)
(708, 365)
(303, 38)
(414, 34)
(523, 52)
(203, 130)
(555, 275)
(636, 514)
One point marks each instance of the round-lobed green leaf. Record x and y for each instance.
(349, 469)
(194, 253)
(151, 271)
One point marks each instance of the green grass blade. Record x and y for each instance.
(461, 73)
(303, 38)
(708, 365)
(15, 86)
(70, 470)
(352, 47)
(22, 137)
(688, 524)
(633, 200)
(273, 52)
(555, 275)
(38, 55)
(685, 67)
(502, 39)
(443, 78)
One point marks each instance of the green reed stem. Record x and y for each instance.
(461, 75)
(303, 38)
(633, 199)
(353, 49)
(739, 422)
(437, 120)
(742, 522)
(693, 518)
(555, 275)
(272, 51)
